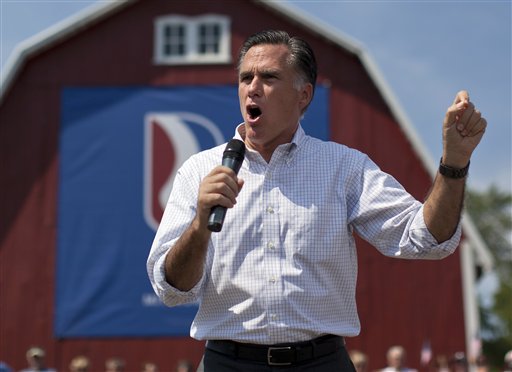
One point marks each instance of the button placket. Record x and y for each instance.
(271, 242)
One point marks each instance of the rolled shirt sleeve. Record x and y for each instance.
(388, 217)
(168, 294)
(426, 244)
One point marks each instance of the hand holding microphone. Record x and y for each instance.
(232, 158)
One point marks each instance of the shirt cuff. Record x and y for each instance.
(170, 295)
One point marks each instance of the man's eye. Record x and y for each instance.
(245, 79)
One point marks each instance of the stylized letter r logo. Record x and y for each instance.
(169, 140)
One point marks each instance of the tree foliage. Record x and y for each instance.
(491, 212)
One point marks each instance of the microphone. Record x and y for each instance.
(233, 157)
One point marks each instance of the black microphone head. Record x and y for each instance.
(235, 149)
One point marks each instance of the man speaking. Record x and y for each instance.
(276, 285)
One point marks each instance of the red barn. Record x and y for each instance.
(98, 86)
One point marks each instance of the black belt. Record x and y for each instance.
(280, 354)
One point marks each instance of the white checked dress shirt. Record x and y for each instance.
(284, 266)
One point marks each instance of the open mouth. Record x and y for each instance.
(254, 112)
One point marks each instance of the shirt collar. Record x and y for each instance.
(291, 147)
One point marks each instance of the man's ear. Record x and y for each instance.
(306, 95)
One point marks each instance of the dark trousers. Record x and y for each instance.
(213, 361)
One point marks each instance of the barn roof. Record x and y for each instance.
(101, 10)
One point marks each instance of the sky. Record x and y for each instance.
(426, 51)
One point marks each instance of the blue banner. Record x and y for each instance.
(119, 151)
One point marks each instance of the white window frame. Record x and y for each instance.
(192, 54)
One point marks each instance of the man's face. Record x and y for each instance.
(35, 361)
(270, 101)
(396, 359)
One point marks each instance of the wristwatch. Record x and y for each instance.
(453, 172)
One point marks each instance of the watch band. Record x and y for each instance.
(453, 172)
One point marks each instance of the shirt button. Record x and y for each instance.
(270, 210)
(271, 245)
(274, 316)
(272, 280)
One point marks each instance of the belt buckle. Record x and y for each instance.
(270, 356)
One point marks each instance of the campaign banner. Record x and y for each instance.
(119, 151)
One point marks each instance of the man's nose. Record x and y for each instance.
(255, 87)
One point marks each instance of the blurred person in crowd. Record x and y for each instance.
(79, 364)
(508, 362)
(441, 364)
(149, 367)
(4, 367)
(359, 360)
(482, 364)
(36, 361)
(114, 365)
(458, 362)
(397, 358)
(184, 366)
